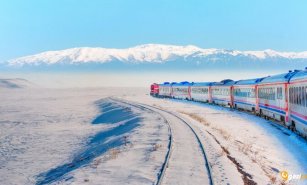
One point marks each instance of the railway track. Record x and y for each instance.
(179, 164)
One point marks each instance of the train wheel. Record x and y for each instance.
(293, 128)
(254, 111)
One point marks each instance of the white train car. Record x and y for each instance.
(272, 97)
(245, 94)
(165, 90)
(221, 92)
(298, 102)
(201, 92)
(181, 91)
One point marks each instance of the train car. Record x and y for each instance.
(165, 90)
(201, 92)
(181, 90)
(222, 92)
(273, 96)
(245, 94)
(298, 102)
(154, 89)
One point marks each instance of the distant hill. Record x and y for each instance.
(15, 83)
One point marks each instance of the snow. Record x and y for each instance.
(44, 131)
(45, 134)
(152, 53)
(262, 147)
(186, 164)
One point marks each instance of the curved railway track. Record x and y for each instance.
(166, 115)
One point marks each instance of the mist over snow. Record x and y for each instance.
(16, 83)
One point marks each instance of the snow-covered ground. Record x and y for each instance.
(78, 136)
(60, 136)
(241, 146)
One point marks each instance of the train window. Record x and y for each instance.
(303, 96)
(279, 93)
(306, 96)
(260, 93)
(299, 95)
(291, 95)
(271, 93)
(265, 92)
(296, 95)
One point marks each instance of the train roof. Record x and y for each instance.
(185, 83)
(249, 81)
(226, 82)
(202, 84)
(285, 77)
(166, 84)
(299, 75)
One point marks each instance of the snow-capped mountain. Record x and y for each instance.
(152, 53)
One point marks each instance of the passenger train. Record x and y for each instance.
(281, 97)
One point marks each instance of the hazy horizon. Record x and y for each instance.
(130, 79)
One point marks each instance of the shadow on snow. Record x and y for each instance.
(99, 143)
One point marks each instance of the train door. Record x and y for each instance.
(257, 98)
(287, 101)
(280, 97)
(189, 93)
(231, 96)
(210, 94)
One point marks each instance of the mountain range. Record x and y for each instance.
(169, 56)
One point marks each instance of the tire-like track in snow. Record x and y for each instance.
(164, 169)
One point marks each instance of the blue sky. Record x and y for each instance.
(32, 26)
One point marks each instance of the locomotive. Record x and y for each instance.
(281, 97)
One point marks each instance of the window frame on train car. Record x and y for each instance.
(291, 95)
(296, 96)
(299, 95)
(302, 96)
(279, 93)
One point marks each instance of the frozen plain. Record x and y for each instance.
(51, 136)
